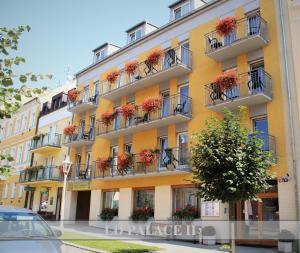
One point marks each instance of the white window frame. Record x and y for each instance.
(13, 191)
(24, 122)
(17, 126)
(21, 190)
(134, 34)
(100, 55)
(9, 129)
(19, 154)
(6, 191)
(32, 119)
(180, 7)
(26, 152)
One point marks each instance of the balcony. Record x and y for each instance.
(83, 102)
(174, 110)
(174, 63)
(81, 172)
(45, 143)
(41, 173)
(169, 161)
(250, 34)
(252, 88)
(83, 135)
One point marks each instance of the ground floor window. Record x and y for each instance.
(186, 198)
(111, 200)
(144, 198)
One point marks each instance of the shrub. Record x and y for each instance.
(142, 214)
(187, 213)
(108, 214)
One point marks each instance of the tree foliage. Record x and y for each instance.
(12, 84)
(229, 164)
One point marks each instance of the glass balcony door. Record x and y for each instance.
(77, 165)
(114, 154)
(85, 97)
(183, 99)
(253, 24)
(185, 53)
(165, 111)
(257, 78)
(261, 126)
(182, 148)
(164, 158)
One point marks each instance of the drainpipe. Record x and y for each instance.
(291, 115)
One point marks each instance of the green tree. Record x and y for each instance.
(12, 84)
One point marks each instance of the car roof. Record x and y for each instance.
(9, 209)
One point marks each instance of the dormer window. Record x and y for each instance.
(100, 55)
(181, 10)
(139, 30)
(135, 35)
(104, 51)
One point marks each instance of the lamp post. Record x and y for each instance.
(66, 170)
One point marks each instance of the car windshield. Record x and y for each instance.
(23, 225)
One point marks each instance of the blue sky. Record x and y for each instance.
(64, 32)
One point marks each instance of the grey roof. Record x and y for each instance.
(104, 45)
(176, 3)
(138, 25)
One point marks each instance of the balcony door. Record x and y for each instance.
(183, 103)
(77, 165)
(165, 111)
(164, 158)
(257, 78)
(92, 124)
(81, 129)
(253, 24)
(114, 154)
(182, 143)
(185, 53)
(117, 119)
(85, 97)
(88, 165)
(261, 125)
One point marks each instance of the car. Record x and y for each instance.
(23, 231)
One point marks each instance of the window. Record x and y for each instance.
(24, 123)
(183, 197)
(182, 149)
(181, 11)
(26, 152)
(21, 189)
(111, 200)
(137, 34)
(144, 199)
(100, 55)
(32, 119)
(128, 148)
(1, 133)
(9, 131)
(19, 154)
(17, 126)
(12, 154)
(165, 111)
(165, 156)
(6, 191)
(117, 120)
(261, 126)
(13, 191)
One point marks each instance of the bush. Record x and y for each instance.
(108, 214)
(142, 214)
(285, 236)
(187, 213)
(208, 231)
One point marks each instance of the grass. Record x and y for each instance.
(113, 246)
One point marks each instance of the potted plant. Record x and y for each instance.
(226, 25)
(69, 130)
(285, 241)
(73, 94)
(107, 118)
(225, 81)
(108, 214)
(187, 213)
(130, 67)
(154, 57)
(142, 214)
(151, 105)
(128, 110)
(125, 161)
(147, 156)
(112, 76)
(209, 235)
(103, 164)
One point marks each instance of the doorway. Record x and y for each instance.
(29, 200)
(58, 203)
(83, 205)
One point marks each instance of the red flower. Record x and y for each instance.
(226, 25)
(154, 57)
(147, 156)
(128, 110)
(107, 118)
(131, 66)
(112, 76)
(151, 105)
(69, 130)
(103, 163)
(226, 80)
(73, 94)
(124, 161)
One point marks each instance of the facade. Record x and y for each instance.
(16, 134)
(155, 106)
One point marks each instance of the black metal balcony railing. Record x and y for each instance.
(170, 106)
(81, 172)
(246, 28)
(84, 97)
(41, 173)
(171, 57)
(249, 84)
(43, 140)
(81, 133)
(170, 159)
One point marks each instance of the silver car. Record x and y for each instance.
(23, 231)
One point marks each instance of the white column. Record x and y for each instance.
(125, 206)
(95, 207)
(163, 202)
(70, 206)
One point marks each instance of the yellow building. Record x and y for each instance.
(176, 66)
(15, 135)
(43, 178)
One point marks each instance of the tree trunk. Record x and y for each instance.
(232, 218)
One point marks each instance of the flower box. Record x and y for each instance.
(147, 156)
(107, 118)
(151, 105)
(69, 130)
(130, 67)
(142, 214)
(225, 81)
(103, 164)
(112, 76)
(125, 161)
(73, 95)
(154, 57)
(226, 25)
(128, 110)
(187, 213)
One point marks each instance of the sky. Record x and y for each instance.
(64, 32)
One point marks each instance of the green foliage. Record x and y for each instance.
(10, 94)
(229, 164)
(108, 214)
(142, 214)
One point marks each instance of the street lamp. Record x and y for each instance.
(66, 169)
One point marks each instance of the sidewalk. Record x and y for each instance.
(168, 246)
